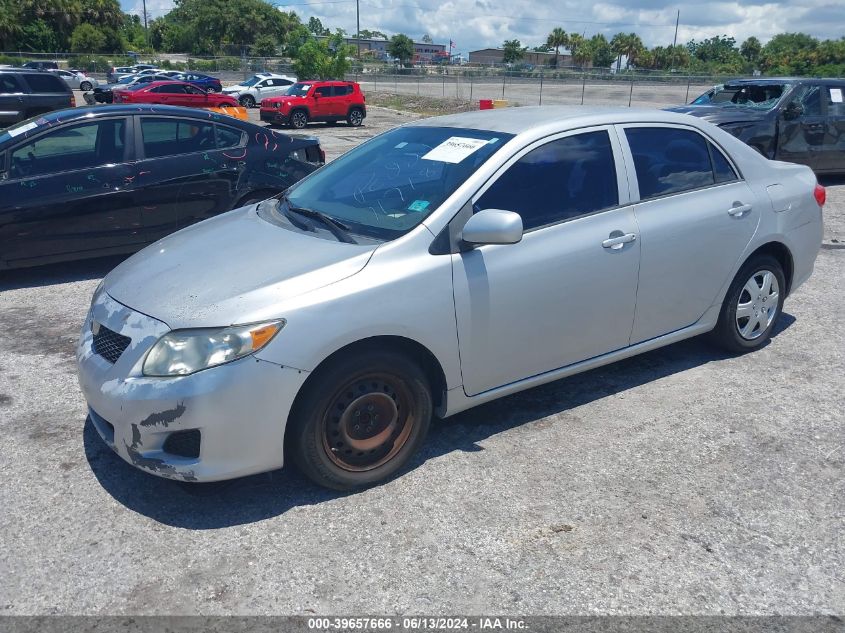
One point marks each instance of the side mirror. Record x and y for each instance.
(793, 111)
(493, 226)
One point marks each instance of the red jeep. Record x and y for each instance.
(307, 101)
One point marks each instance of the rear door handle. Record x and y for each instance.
(738, 210)
(619, 241)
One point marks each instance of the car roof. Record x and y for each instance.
(556, 118)
(783, 80)
(97, 111)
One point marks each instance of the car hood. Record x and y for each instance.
(721, 115)
(235, 88)
(234, 268)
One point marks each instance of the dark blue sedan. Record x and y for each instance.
(201, 81)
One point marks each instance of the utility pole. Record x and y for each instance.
(146, 30)
(675, 41)
(358, 23)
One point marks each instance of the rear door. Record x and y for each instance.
(68, 190)
(275, 87)
(832, 154)
(188, 171)
(800, 140)
(695, 215)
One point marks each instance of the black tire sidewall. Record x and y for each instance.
(349, 117)
(247, 101)
(727, 333)
(305, 433)
(83, 84)
(294, 118)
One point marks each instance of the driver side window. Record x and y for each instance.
(810, 101)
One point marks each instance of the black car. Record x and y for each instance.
(105, 93)
(26, 93)
(41, 65)
(796, 120)
(94, 181)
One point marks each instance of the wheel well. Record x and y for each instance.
(781, 253)
(354, 107)
(301, 109)
(410, 348)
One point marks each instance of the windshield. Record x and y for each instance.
(252, 80)
(299, 90)
(126, 80)
(138, 86)
(759, 96)
(387, 186)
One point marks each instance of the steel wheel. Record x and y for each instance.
(356, 117)
(757, 305)
(298, 119)
(367, 422)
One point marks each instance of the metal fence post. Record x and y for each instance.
(504, 76)
(418, 85)
(541, 87)
(584, 86)
(631, 94)
(470, 87)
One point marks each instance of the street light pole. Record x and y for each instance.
(675, 41)
(358, 23)
(146, 30)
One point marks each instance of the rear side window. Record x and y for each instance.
(8, 83)
(835, 100)
(558, 181)
(342, 91)
(722, 170)
(45, 83)
(228, 137)
(669, 160)
(169, 137)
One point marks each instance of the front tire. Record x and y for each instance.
(298, 119)
(752, 306)
(85, 86)
(247, 101)
(359, 421)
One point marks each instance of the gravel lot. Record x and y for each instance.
(681, 481)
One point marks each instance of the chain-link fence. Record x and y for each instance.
(534, 86)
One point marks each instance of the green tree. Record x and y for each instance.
(264, 46)
(512, 51)
(323, 59)
(87, 39)
(790, 53)
(10, 23)
(577, 46)
(628, 44)
(601, 54)
(401, 47)
(316, 26)
(556, 39)
(426, 39)
(750, 49)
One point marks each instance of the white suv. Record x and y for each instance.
(258, 87)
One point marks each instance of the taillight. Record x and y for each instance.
(72, 101)
(820, 195)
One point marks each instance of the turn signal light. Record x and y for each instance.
(820, 195)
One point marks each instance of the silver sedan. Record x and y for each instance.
(438, 266)
(77, 80)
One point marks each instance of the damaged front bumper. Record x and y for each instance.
(233, 416)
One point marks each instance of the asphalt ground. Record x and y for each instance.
(682, 481)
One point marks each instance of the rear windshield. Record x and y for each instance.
(763, 96)
(387, 186)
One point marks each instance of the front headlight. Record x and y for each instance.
(184, 352)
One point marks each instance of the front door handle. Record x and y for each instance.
(618, 241)
(739, 209)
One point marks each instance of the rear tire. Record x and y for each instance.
(752, 306)
(360, 419)
(355, 117)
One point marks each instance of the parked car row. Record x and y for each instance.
(27, 93)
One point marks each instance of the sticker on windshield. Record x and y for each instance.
(454, 149)
(418, 205)
(22, 129)
(836, 95)
(400, 145)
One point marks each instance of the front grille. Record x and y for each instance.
(183, 443)
(108, 344)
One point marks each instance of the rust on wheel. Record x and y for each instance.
(367, 422)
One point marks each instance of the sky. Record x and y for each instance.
(474, 24)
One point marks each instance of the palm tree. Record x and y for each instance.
(577, 48)
(556, 39)
(634, 46)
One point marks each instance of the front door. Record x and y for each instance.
(800, 139)
(567, 291)
(68, 190)
(695, 217)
